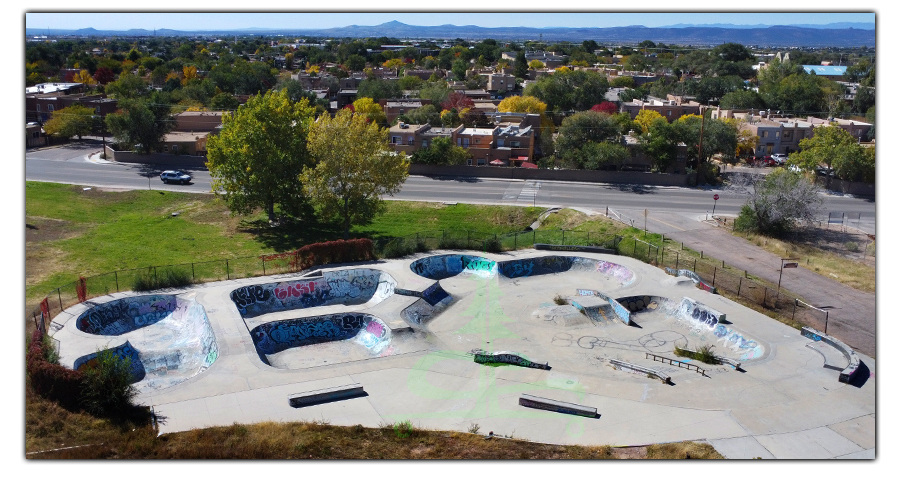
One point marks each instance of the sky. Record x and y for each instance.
(235, 20)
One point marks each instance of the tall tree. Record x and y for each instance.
(141, 123)
(75, 120)
(441, 151)
(520, 70)
(835, 148)
(778, 203)
(260, 152)
(354, 167)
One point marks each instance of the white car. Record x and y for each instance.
(779, 159)
(175, 176)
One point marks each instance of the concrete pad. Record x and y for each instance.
(741, 448)
(859, 430)
(817, 443)
(860, 455)
(784, 401)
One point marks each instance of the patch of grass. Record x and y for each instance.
(168, 278)
(683, 451)
(703, 354)
(823, 258)
(560, 300)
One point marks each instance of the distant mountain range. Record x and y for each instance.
(826, 26)
(835, 34)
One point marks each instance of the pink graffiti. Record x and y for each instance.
(375, 329)
(388, 352)
(297, 289)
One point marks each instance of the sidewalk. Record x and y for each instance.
(852, 313)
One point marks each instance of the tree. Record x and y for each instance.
(85, 78)
(741, 100)
(354, 167)
(260, 152)
(660, 143)
(355, 62)
(141, 124)
(189, 73)
(570, 90)
(835, 148)
(75, 120)
(781, 202)
(459, 69)
(104, 75)
(425, 114)
(370, 110)
(378, 89)
(441, 151)
(522, 104)
(645, 118)
(607, 107)
(224, 101)
(579, 131)
(535, 65)
(596, 156)
(520, 70)
(127, 86)
(457, 100)
(436, 91)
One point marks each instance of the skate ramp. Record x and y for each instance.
(341, 287)
(365, 330)
(537, 266)
(448, 265)
(168, 339)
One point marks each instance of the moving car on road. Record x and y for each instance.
(175, 176)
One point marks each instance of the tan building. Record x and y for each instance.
(198, 120)
(509, 142)
(671, 109)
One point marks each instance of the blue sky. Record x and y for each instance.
(208, 21)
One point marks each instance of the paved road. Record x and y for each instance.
(671, 209)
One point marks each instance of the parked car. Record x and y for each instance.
(764, 161)
(175, 176)
(779, 159)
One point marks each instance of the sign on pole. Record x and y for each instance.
(790, 265)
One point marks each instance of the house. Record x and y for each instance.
(857, 129)
(834, 73)
(191, 132)
(500, 82)
(346, 97)
(34, 136)
(511, 142)
(40, 107)
(394, 108)
(672, 108)
(777, 135)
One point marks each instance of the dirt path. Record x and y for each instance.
(852, 313)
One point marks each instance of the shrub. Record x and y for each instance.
(452, 243)
(106, 385)
(703, 354)
(852, 246)
(340, 251)
(397, 248)
(421, 246)
(560, 300)
(166, 279)
(493, 245)
(51, 380)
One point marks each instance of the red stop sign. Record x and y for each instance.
(715, 197)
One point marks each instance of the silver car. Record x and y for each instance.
(175, 176)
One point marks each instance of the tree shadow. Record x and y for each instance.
(289, 234)
(634, 188)
(459, 179)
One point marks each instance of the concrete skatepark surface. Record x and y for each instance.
(407, 331)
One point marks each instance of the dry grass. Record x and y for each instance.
(825, 253)
(80, 436)
(570, 219)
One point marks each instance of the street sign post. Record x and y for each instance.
(785, 265)
(715, 199)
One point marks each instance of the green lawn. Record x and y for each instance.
(71, 232)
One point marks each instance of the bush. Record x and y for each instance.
(51, 380)
(452, 243)
(397, 248)
(852, 246)
(106, 385)
(169, 278)
(560, 300)
(334, 252)
(703, 354)
(493, 245)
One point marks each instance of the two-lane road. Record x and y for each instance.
(671, 209)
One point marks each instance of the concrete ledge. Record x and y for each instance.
(852, 367)
(734, 363)
(510, 358)
(313, 397)
(638, 368)
(541, 403)
(559, 247)
(693, 276)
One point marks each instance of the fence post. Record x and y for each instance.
(676, 260)
(563, 236)
(701, 254)
(695, 265)
(826, 321)
(533, 236)
(634, 248)
(155, 277)
(194, 276)
(795, 310)
(765, 295)
(227, 273)
(714, 276)
(467, 238)
(740, 281)
(117, 280)
(59, 296)
(516, 242)
(264, 265)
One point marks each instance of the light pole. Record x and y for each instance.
(789, 265)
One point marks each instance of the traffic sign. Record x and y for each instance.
(715, 197)
(790, 265)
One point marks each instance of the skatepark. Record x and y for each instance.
(448, 339)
